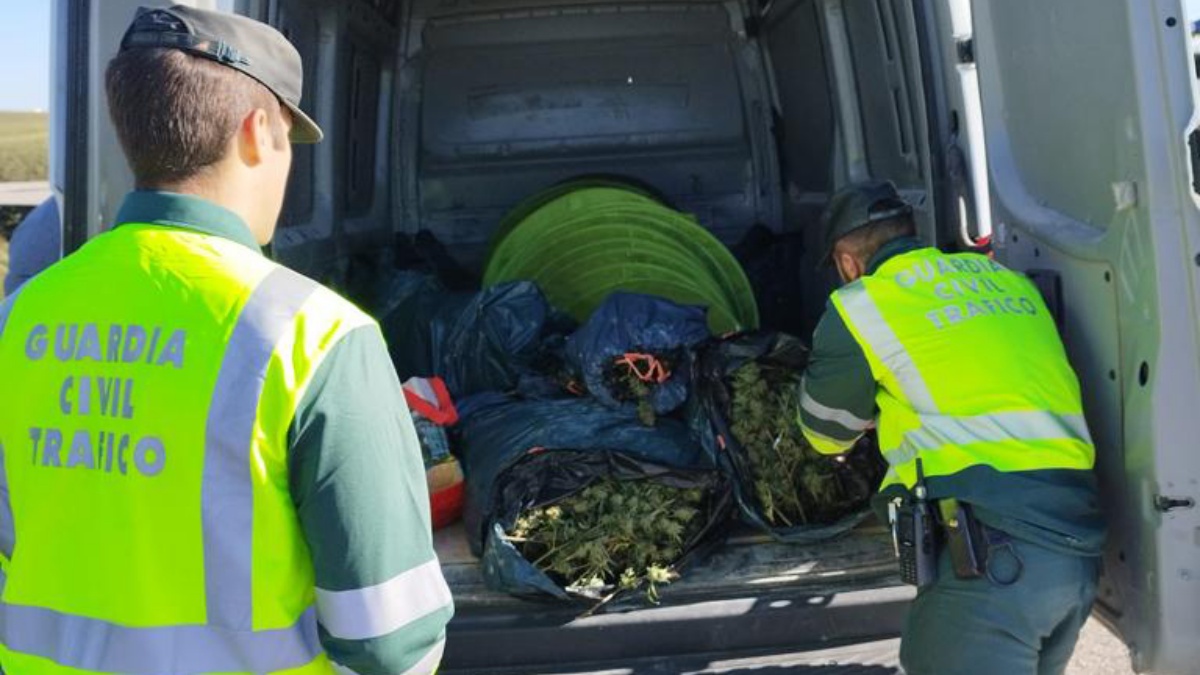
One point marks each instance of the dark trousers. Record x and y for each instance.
(1023, 618)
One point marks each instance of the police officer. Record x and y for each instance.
(208, 465)
(958, 362)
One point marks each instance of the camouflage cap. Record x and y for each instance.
(856, 206)
(241, 43)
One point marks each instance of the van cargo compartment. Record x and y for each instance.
(750, 594)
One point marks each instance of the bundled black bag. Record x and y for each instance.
(781, 359)
(475, 342)
(522, 455)
(638, 338)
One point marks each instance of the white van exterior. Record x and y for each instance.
(1062, 132)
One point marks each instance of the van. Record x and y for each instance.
(1059, 134)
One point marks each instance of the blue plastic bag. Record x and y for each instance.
(629, 323)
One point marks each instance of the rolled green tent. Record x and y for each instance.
(582, 241)
(539, 199)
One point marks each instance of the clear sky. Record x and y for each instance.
(25, 52)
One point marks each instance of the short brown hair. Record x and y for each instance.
(867, 240)
(175, 112)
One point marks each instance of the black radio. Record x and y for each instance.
(914, 535)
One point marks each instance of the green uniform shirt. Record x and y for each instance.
(1056, 508)
(356, 474)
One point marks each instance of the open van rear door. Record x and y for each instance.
(1086, 112)
(87, 168)
(343, 197)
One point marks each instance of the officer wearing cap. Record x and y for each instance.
(957, 362)
(209, 465)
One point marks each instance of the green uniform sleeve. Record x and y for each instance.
(837, 394)
(358, 483)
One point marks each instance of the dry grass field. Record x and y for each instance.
(24, 145)
(24, 142)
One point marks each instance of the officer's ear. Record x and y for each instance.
(849, 265)
(257, 136)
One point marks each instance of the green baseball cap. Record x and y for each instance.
(859, 205)
(241, 43)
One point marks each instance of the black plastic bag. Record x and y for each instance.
(476, 342)
(414, 310)
(631, 326)
(424, 252)
(778, 272)
(859, 472)
(519, 455)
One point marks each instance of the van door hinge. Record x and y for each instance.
(966, 50)
(1165, 504)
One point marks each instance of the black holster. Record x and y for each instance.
(964, 536)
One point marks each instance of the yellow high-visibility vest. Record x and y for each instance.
(147, 525)
(970, 368)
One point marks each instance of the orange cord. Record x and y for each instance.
(654, 372)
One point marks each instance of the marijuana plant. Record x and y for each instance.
(612, 535)
(795, 484)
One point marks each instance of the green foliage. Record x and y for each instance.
(612, 535)
(627, 385)
(795, 484)
(24, 147)
(630, 387)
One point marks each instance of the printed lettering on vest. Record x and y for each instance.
(89, 344)
(950, 292)
(99, 396)
(968, 286)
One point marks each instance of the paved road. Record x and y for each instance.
(1099, 652)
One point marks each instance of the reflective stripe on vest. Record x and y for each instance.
(8, 536)
(227, 499)
(227, 643)
(937, 432)
(1001, 391)
(91, 644)
(865, 316)
(255, 334)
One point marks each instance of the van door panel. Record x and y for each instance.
(1086, 111)
(850, 96)
(339, 203)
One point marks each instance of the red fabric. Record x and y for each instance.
(446, 505)
(440, 411)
